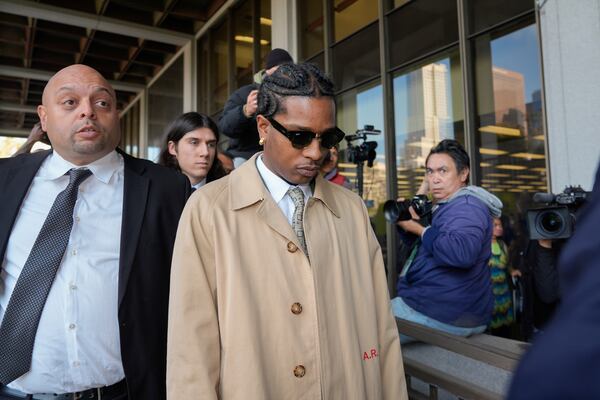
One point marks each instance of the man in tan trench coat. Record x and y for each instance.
(271, 298)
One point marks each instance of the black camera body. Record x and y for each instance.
(365, 151)
(395, 211)
(557, 219)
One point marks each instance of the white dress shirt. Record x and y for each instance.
(199, 184)
(278, 189)
(77, 343)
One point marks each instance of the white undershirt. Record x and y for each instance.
(278, 189)
(77, 343)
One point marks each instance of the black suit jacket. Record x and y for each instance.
(153, 200)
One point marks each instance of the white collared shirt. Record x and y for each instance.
(278, 189)
(199, 184)
(77, 343)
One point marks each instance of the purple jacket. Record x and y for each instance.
(449, 279)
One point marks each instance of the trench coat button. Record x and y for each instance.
(291, 247)
(299, 371)
(296, 308)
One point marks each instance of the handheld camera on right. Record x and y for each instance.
(557, 219)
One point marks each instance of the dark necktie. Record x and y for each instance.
(297, 196)
(22, 315)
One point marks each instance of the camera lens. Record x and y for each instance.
(551, 222)
(395, 211)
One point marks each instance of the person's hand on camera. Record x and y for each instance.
(545, 243)
(251, 105)
(411, 225)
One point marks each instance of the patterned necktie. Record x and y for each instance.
(297, 196)
(22, 315)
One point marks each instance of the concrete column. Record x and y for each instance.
(570, 32)
(284, 31)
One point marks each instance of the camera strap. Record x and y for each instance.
(411, 257)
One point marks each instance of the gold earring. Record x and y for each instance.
(261, 141)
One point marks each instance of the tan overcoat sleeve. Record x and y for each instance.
(390, 355)
(193, 346)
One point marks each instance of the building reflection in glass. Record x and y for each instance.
(428, 108)
(511, 154)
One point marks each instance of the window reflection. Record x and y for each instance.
(311, 27)
(357, 59)
(130, 130)
(265, 30)
(485, 13)
(510, 136)
(219, 68)
(428, 108)
(351, 15)
(355, 109)
(165, 102)
(244, 40)
(421, 27)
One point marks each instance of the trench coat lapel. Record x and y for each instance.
(135, 196)
(248, 189)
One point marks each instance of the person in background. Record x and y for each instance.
(86, 241)
(226, 161)
(502, 316)
(238, 120)
(190, 146)
(563, 361)
(37, 134)
(445, 283)
(278, 288)
(330, 171)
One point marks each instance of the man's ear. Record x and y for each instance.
(41, 110)
(464, 175)
(263, 126)
(172, 147)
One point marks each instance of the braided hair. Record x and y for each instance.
(303, 79)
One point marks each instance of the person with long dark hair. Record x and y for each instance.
(190, 146)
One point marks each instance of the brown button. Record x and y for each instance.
(299, 371)
(292, 247)
(296, 308)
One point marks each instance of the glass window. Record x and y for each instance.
(428, 107)
(355, 109)
(421, 27)
(357, 59)
(311, 27)
(351, 15)
(244, 40)
(510, 138)
(165, 103)
(319, 60)
(265, 30)
(130, 130)
(486, 13)
(219, 68)
(203, 60)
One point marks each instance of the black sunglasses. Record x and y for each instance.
(301, 139)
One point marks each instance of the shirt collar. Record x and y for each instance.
(276, 185)
(199, 184)
(103, 169)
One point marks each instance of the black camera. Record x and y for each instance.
(557, 220)
(365, 151)
(395, 211)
